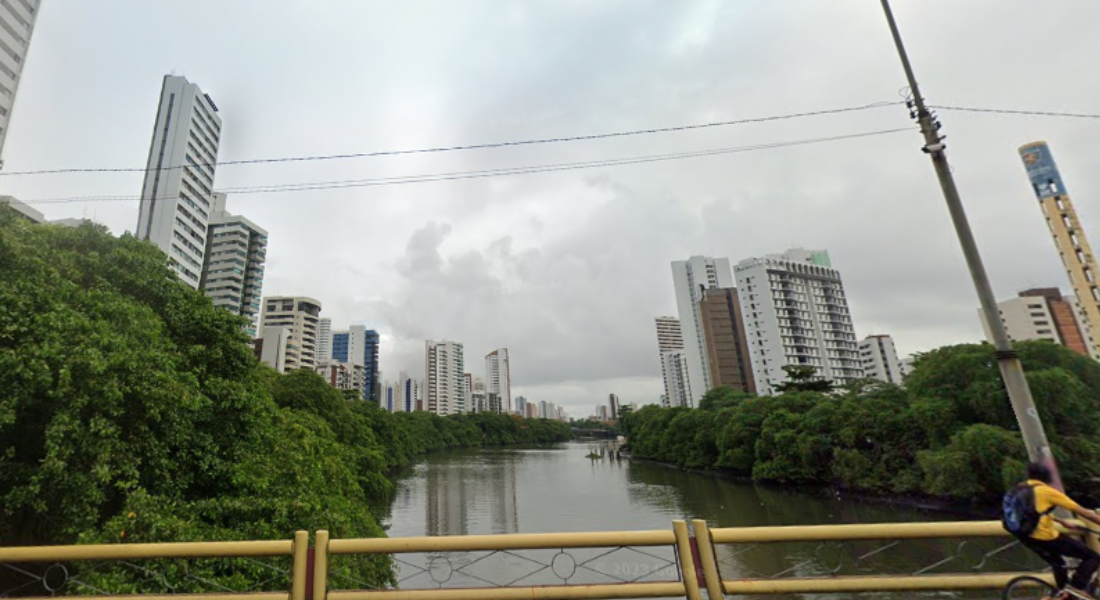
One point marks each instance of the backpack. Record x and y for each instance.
(1019, 515)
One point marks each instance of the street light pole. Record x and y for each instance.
(1012, 371)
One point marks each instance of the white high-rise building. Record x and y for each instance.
(498, 379)
(445, 378)
(17, 18)
(669, 339)
(408, 393)
(301, 317)
(880, 361)
(324, 341)
(274, 342)
(674, 364)
(176, 199)
(690, 277)
(233, 270)
(796, 313)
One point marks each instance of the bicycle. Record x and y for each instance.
(1035, 588)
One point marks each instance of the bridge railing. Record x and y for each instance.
(47, 571)
(619, 564)
(967, 568)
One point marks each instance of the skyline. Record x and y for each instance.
(526, 262)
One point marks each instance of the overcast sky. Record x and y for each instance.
(568, 269)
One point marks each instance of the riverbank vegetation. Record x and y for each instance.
(949, 434)
(132, 410)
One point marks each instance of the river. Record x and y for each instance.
(559, 489)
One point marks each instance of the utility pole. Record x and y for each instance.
(1012, 371)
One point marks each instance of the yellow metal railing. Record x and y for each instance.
(695, 562)
(716, 586)
(297, 549)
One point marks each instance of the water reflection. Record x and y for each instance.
(576, 487)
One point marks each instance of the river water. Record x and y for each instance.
(561, 489)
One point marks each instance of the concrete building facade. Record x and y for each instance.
(358, 344)
(324, 341)
(796, 313)
(690, 278)
(879, 358)
(498, 379)
(17, 19)
(25, 210)
(300, 315)
(233, 265)
(271, 347)
(1069, 237)
(675, 364)
(444, 381)
(669, 338)
(176, 198)
(343, 375)
(724, 338)
(1044, 314)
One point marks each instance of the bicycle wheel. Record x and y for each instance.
(1028, 588)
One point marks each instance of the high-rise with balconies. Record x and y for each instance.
(1069, 237)
(445, 378)
(301, 317)
(690, 278)
(359, 345)
(795, 313)
(233, 269)
(177, 196)
(17, 18)
(498, 379)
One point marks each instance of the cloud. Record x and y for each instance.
(568, 269)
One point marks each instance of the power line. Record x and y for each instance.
(506, 171)
(1007, 111)
(439, 149)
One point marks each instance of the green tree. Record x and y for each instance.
(803, 378)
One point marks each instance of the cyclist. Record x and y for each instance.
(1053, 547)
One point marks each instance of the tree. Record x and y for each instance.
(803, 378)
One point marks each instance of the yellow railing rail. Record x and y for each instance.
(297, 549)
(872, 531)
(694, 562)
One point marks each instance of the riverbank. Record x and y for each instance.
(920, 503)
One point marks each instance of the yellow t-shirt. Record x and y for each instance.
(1047, 497)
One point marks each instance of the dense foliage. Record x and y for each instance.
(132, 410)
(949, 433)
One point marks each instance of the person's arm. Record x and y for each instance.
(1059, 499)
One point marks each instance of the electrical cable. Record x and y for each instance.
(524, 170)
(1007, 111)
(439, 149)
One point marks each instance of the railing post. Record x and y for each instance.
(687, 561)
(298, 575)
(320, 565)
(708, 558)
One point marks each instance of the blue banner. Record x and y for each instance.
(1041, 170)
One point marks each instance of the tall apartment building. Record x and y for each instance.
(1044, 314)
(521, 405)
(690, 278)
(408, 393)
(879, 358)
(233, 269)
(1069, 237)
(613, 405)
(343, 375)
(324, 341)
(669, 339)
(498, 379)
(17, 18)
(678, 393)
(357, 344)
(301, 317)
(796, 313)
(445, 381)
(176, 199)
(725, 340)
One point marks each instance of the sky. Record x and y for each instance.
(568, 269)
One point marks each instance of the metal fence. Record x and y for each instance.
(621, 564)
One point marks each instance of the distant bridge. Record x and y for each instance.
(596, 433)
(615, 564)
